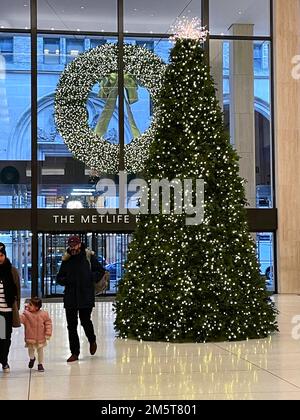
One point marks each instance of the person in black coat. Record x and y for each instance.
(79, 272)
(9, 305)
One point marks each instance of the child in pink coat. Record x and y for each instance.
(38, 329)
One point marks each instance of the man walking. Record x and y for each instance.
(79, 272)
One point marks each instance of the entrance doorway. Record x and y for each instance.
(110, 250)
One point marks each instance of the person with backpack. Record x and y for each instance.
(78, 273)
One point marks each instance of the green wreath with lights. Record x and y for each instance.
(100, 66)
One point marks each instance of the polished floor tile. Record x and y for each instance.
(150, 385)
(16, 388)
(132, 370)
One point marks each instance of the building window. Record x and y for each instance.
(261, 56)
(96, 42)
(74, 48)
(257, 57)
(265, 55)
(51, 50)
(226, 61)
(149, 45)
(6, 49)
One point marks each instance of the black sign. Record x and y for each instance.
(84, 220)
(89, 220)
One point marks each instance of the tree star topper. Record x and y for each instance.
(187, 28)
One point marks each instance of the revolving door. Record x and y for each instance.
(110, 250)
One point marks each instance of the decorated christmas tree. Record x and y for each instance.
(194, 283)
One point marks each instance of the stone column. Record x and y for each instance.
(216, 65)
(242, 122)
(287, 134)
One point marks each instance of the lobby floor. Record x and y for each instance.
(260, 369)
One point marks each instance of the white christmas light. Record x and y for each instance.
(74, 88)
(183, 284)
(187, 28)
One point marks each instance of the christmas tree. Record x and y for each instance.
(194, 283)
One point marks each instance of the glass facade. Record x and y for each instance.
(157, 16)
(15, 14)
(64, 180)
(111, 250)
(15, 120)
(141, 110)
(87, 15)
(226, 16)
(265, 255)
(242, 73)
(241, 64)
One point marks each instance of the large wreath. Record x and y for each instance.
(95, 66)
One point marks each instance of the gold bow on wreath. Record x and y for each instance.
(109, 92)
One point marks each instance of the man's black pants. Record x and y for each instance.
(86, 322)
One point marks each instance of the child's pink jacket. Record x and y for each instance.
(38, 326)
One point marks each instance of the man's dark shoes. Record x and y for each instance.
(93, 348)
(72, 358)
(31, 363)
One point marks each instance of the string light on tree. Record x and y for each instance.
(194, 283)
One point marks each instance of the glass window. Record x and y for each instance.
(261, 57)
(158, 46)
(65, 182)
(232, 17)
(15, 14)
(96, 42)
(6, 48)
(74, 48)
(146, 44)
(138, 114)
(87, 15)
(265, 256)
(142, 16)
(110, 250)
(51, 50)
(241, 70)
(15, 122)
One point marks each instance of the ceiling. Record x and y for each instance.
(155, 16)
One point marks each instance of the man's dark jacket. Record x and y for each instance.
(79, 273)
